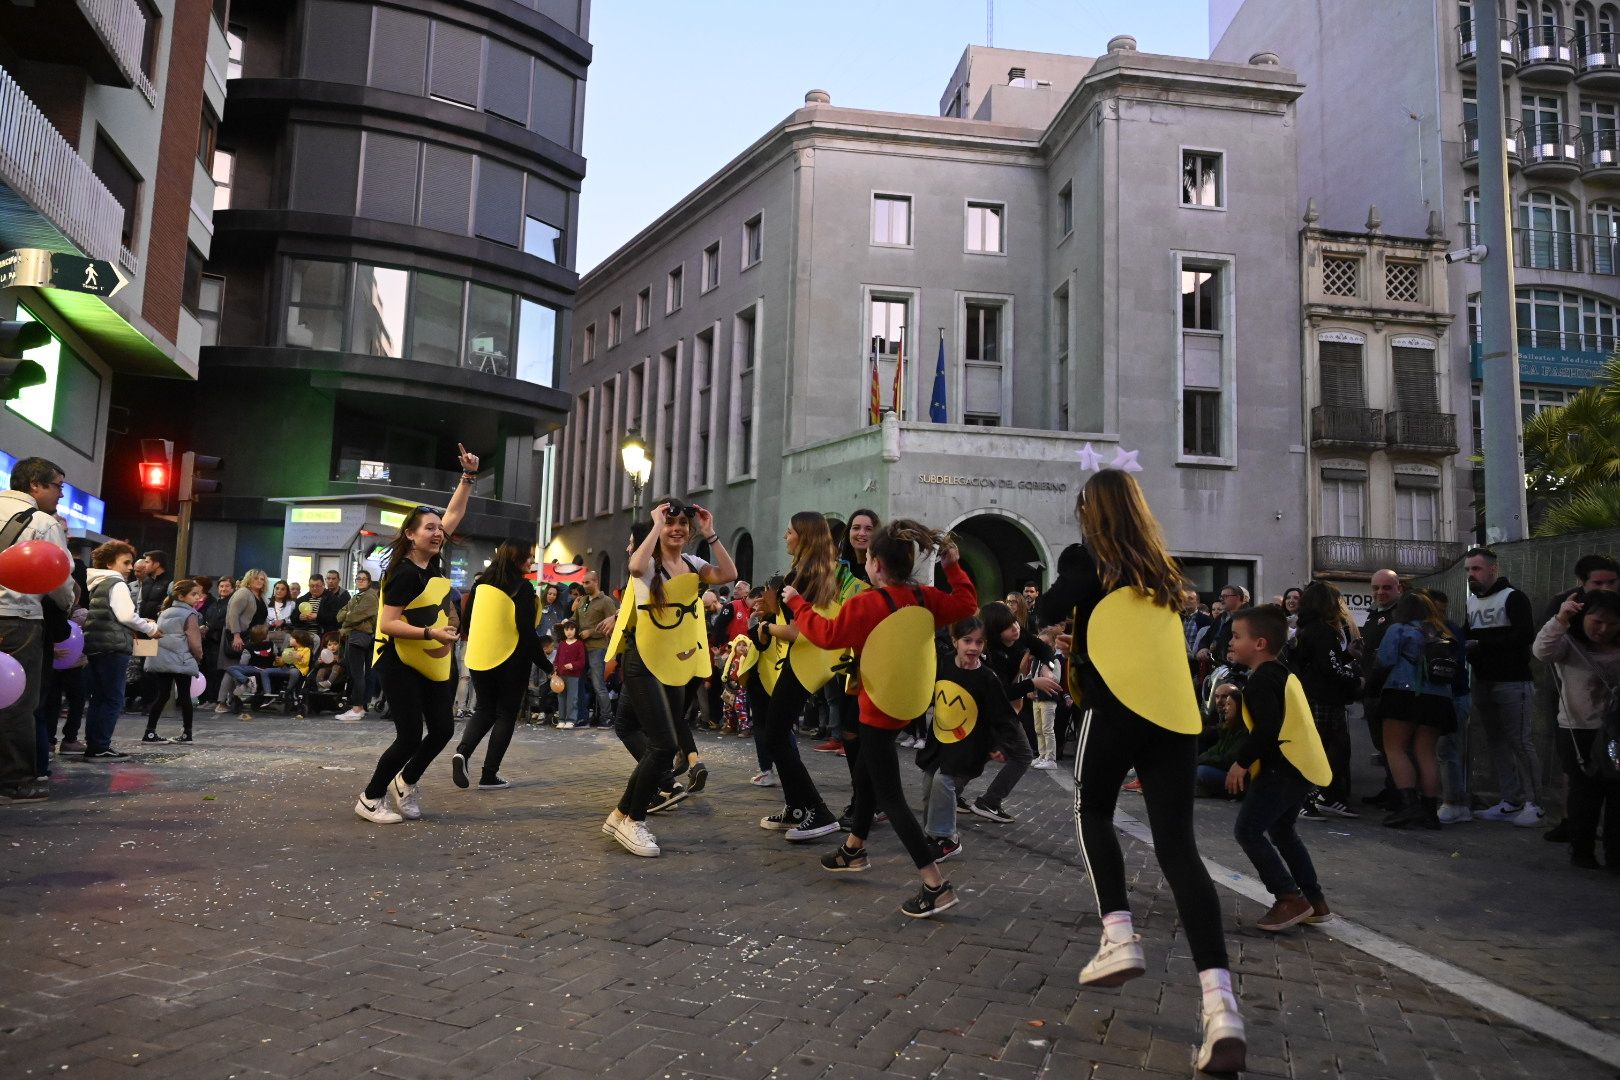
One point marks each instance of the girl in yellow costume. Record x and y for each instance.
(502, 646)
(415, 661)
(1129, 668)
(665, 648)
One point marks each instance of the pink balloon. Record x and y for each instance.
(198, 685)
(66, 654)
(13, 681)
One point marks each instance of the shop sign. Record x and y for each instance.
(998, 483)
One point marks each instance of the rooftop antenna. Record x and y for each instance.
(990, 23)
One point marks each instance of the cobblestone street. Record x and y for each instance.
(218, 911)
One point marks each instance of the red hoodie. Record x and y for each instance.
(569, 659)
(862, 613)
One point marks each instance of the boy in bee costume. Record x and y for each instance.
(1279, 763)
(891, 626)
(970, 706)
(415, 654)
(1125, 592)
(666, 646)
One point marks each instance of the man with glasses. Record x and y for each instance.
(28, 512)
(1234, 598)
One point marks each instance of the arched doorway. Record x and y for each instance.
(742, 553)
(999, 553)
(605, 571)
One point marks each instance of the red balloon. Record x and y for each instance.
(34, 566)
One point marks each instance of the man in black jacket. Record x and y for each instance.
(1501, 628)
(323, 616)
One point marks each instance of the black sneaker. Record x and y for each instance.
(667, 798)
(783, 820)
(1336, 809)
(1311, 812)
(152, 736)
(696, 777)
(991, 811)
(845, 861)
(817, 823)
(185, 736)
(458, 770)
(929, 902)
(106, 753)
(962, 806)
(947, 846)
(35, 792)
(493, 783)
(1559, 833)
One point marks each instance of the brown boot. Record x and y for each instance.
(1286, 912)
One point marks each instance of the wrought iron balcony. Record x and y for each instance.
(1365, 555)
(1470, 140)
(48, 193)
(1347, 425)
(1434, 432)
(1507, 41)
(1600, 156)
(1551, 151)
(1597, 62)
(1546, 53)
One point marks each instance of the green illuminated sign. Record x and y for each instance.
(37, 404)
(391, 518)
(317, 515)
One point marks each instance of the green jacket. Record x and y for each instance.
(359, 615)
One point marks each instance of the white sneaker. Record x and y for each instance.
(634, 838)
(377, 811)
(566, 725)
(1529, 817)
(610, 824)
(1454, 813)
(1502, 811)
(1225, 1050)
(764, 779)
(1043, 763)
(404, 796)
(353, 713)
(1116, 963)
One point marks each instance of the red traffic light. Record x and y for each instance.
(155, 475)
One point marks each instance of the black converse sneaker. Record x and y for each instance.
(818, 822)
(458, 770)
(929, 902)
(783, 820)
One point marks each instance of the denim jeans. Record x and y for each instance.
(107, 675)
(1211, 781)
(1504, 712)
(24, 639)
(357, 652)
(596, 668)
(1265, 830)
(1452, 750)
(1014, 744)
(939, 795)
(568, 702)
(241, 675)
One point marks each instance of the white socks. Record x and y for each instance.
(1117, 927)
(1217, 984)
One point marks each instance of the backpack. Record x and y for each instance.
(1440, 665)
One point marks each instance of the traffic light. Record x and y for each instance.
(192, 481)
(17, 374)
(157, 460)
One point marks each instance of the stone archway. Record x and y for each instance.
(605, 570)
(1000, 551)
(742, 553)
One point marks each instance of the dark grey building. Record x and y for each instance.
(391, 272)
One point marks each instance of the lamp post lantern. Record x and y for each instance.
(637, 466)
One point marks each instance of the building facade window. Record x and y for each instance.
(615, 326)
(489, 330)
(643, 309)
(1417, 386)
(674, 290)
(891, 220)
(207, 136)
(1066, 210)
(711, 266)
(1547, 238)
(667, 418)
(1341, 275)
(233, 47)
(1340, 364)
(607, 446)
(579, 467)
(1554, 319)
(1543, 117)
(1605, 218)
(744, 369)
(1403, 281)
(224, 173)
(700, 464)
(437, 306)
(1206, 363)
(1417, 510)
(1061, 336)
(543, 240)
(191, 281)
(123, 183)
(889, 323)
(588, 344)
(151, 38)
(1344, 505)
(982, 364)
(985, 234)
(315, 304)
(635, 420)
(210, 302)
(537, 343)
(378, 315)
(753, 245)
(1202, 181)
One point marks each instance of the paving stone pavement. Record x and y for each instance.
(217, 911)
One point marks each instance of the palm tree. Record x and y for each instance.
(1572, 460)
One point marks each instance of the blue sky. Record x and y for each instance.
(679, 87)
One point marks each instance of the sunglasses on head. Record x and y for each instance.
(429, 510)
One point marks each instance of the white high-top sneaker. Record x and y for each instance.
(1225, 1049)
(1116, 963)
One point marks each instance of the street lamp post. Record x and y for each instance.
(637, 466)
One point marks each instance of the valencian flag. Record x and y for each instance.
(936, 405)
(874, 410)
(899, 374)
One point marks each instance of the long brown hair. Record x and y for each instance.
(178, 591)
(892, 544)
(1126, 539)
(815, 563)
(399, 549)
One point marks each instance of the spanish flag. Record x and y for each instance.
(874, 410)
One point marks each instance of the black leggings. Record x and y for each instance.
(162, 684)
(878, 787)
(415, 703)
(649, 714)
(846, 710)
(1335, 733)
(785, 706)
(500, 696)
(1113, 740)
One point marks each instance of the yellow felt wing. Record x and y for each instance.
(434, 659)
(492, 637)
(1141, 653)
(1299, 740)
(623, 623)
(898, 663)
(956, 714)
(772, 658)
(671, 637)
(815, 666)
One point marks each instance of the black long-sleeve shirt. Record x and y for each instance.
(1503, 622)
(1263, 697)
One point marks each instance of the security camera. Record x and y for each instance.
(1467, 254)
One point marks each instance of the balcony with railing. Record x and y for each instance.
(1507, 42)
(1470, 140)
(1347, 425)
(1546, 53)
(1551, 151)
(1600, 156)
(1597, 62)
(103, 38)
(1556, 249)
(1424, 432)
(49, 196)
(1366, 554)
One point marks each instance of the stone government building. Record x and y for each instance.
(1107, 251)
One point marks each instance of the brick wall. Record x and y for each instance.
(164, 264)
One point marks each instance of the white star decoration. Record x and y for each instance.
(1090, 460)
(1125, 459)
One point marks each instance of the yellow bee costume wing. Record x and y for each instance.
(492, 636)
(1141, 653)
(772, 658)
(1298, 740)
(956, 714)
(898, 663)
(671, 637)
(815, 667)
(434, 659)
(623, 623)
